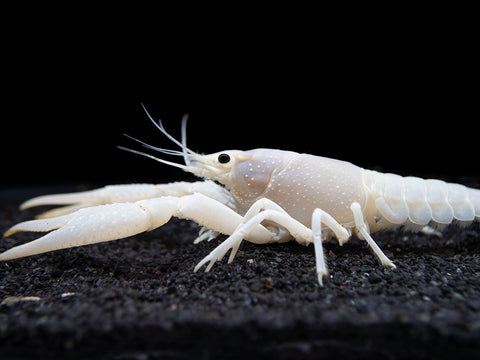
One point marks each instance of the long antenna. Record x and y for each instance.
(160, 127)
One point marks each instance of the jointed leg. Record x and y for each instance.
(320, 217)
(112, 194)
(317, 243)
(116, 221)
(244, 230)
(267, 210)
(365, 235)
(123, 193)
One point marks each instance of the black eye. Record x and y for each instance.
(223, 158)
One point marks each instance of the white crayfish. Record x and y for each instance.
(260, 195)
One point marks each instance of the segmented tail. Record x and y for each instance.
(401, 200)
(474, 195)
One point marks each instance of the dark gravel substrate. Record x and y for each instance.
(138, 298)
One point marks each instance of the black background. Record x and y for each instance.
(391, 89)
(398, 99)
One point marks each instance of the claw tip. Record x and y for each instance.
(7, 233)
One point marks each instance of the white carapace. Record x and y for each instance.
(260, 195)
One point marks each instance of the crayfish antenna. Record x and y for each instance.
(184, 138)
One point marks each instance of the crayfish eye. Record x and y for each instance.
(223, 158)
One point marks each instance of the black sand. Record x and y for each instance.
(139, 299)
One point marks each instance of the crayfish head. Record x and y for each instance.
(217, 166)
(247, 173)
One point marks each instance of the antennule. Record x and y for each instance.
(180, 166)
(184, 137)
(151, 147)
